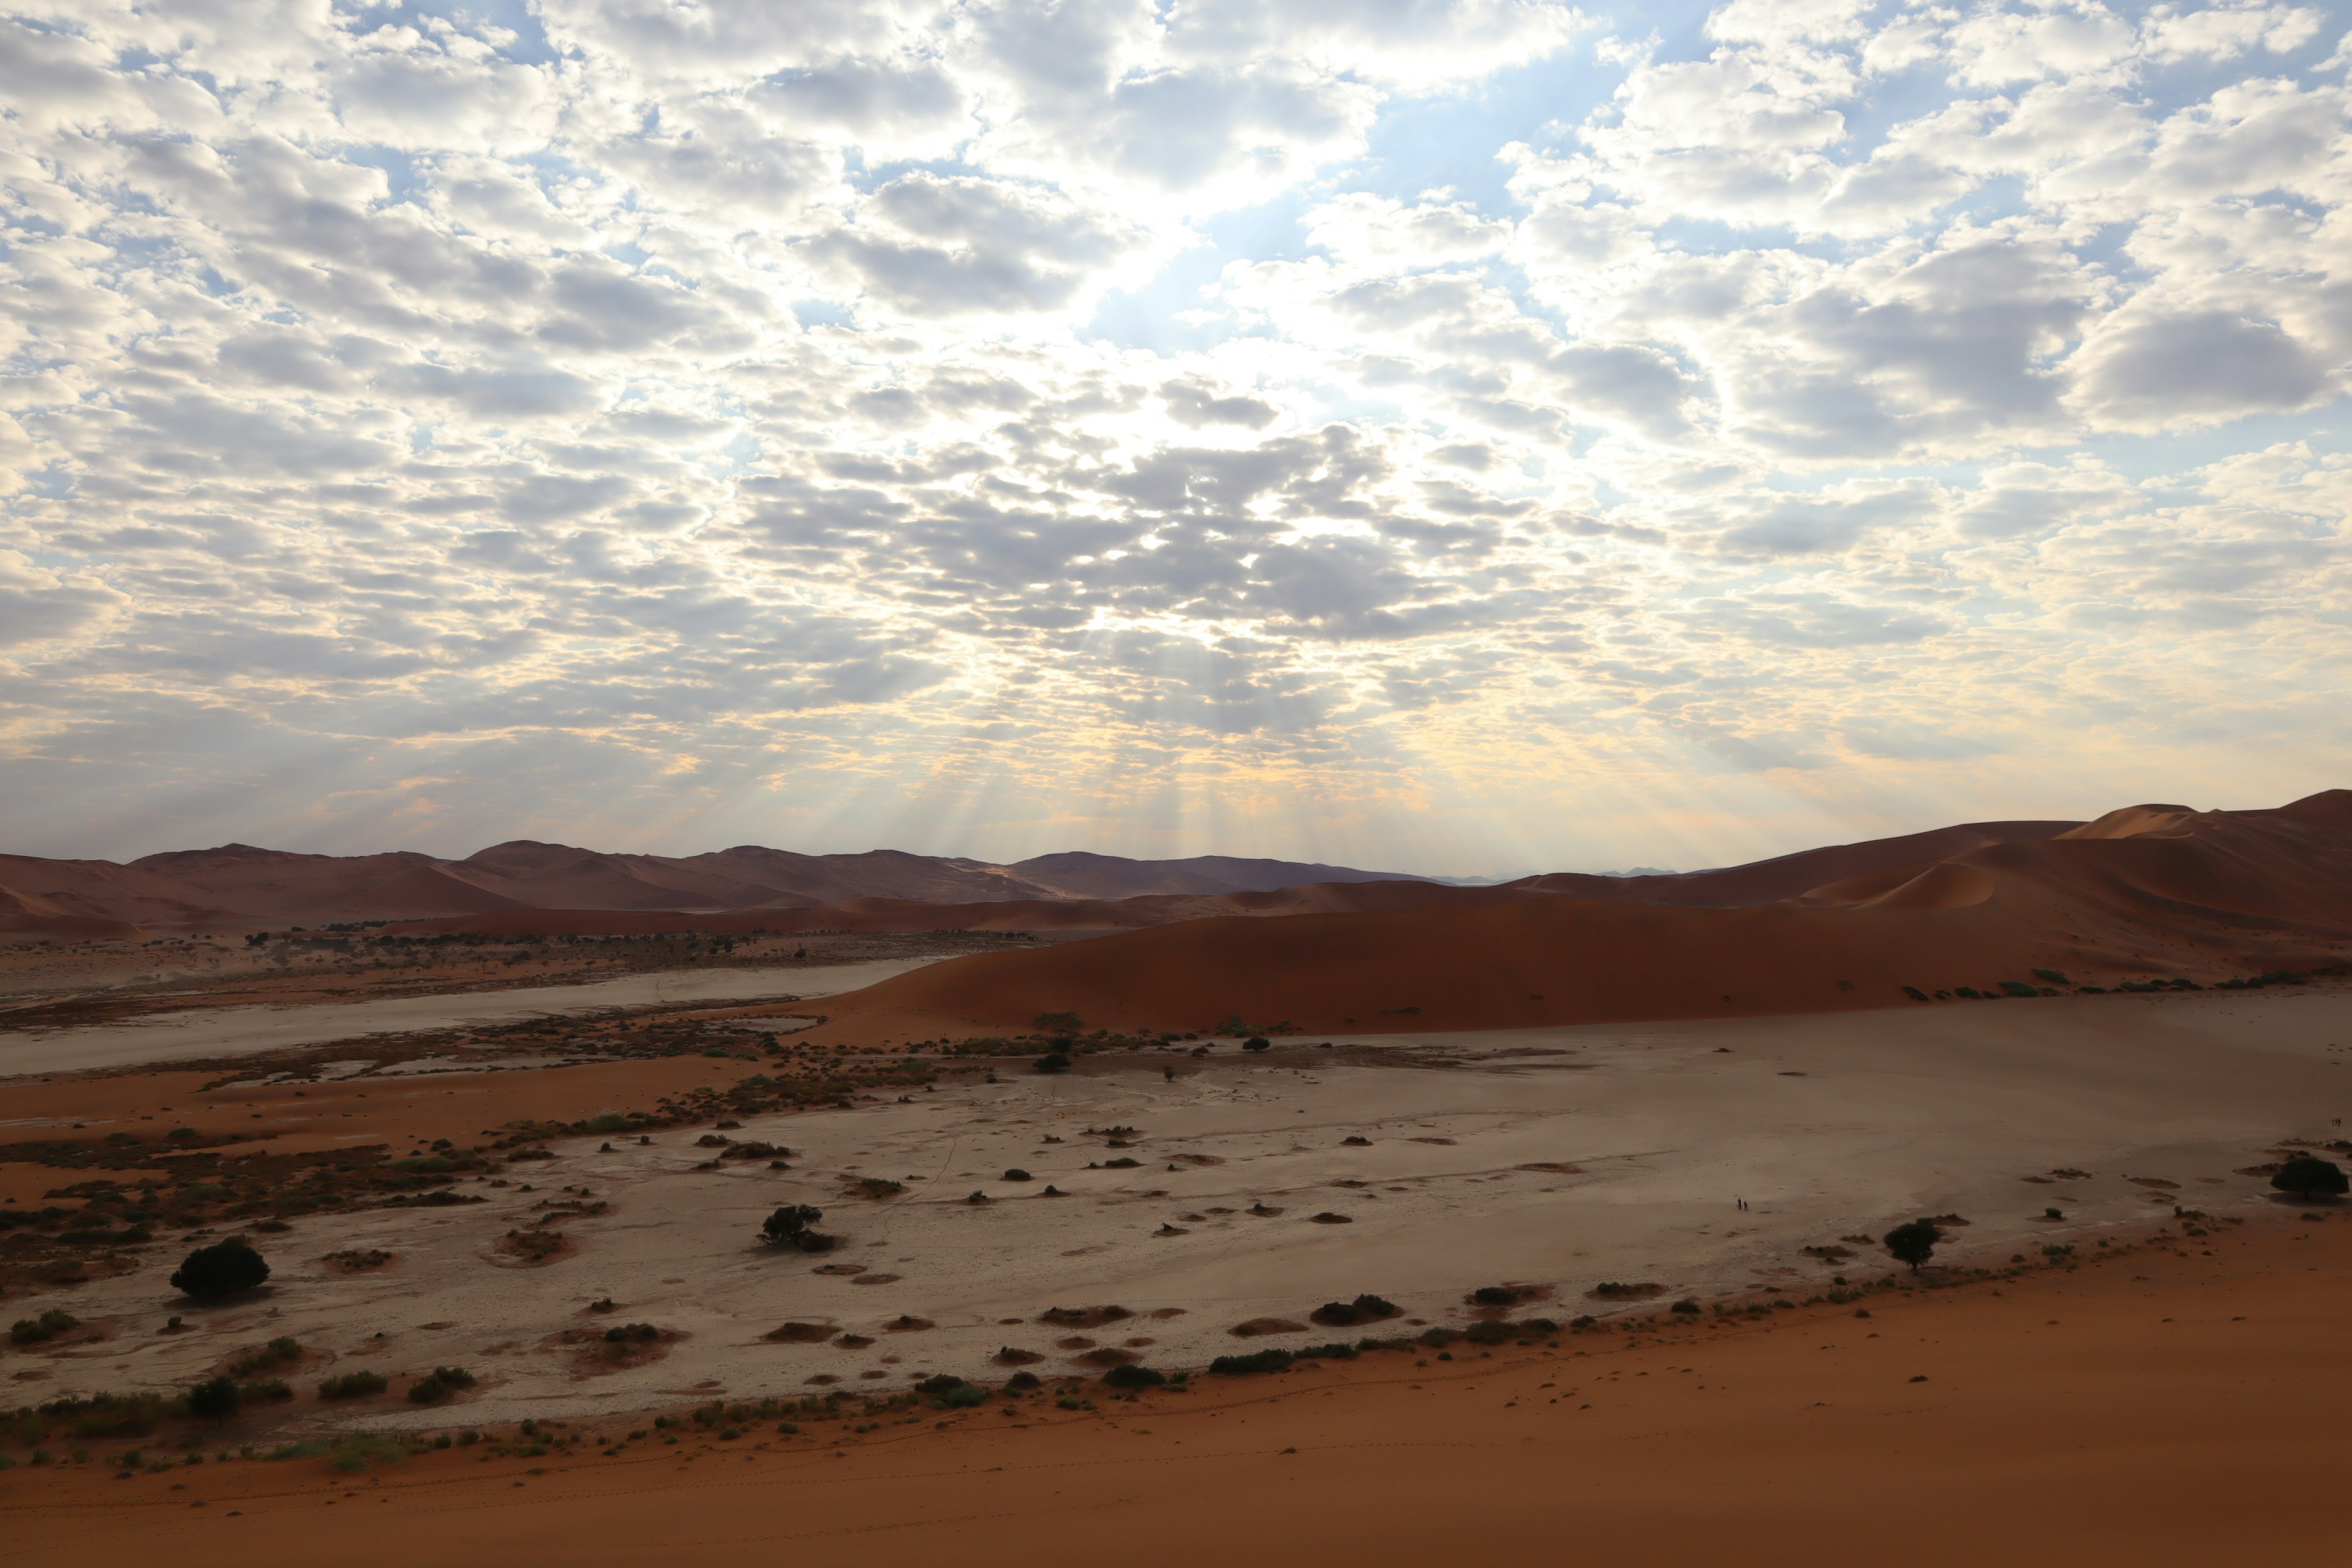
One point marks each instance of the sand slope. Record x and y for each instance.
(2174, 1408)
(2150, 892)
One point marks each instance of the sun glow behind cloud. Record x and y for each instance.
(1460, 436)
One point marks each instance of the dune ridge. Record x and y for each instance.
(2142, 894)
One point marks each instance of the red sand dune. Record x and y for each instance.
(2149, 892)
(239, 885)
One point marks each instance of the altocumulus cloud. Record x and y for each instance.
(995, 425)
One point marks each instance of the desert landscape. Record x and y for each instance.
(714, 1183)
(1252, 781)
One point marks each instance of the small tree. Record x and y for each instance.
(789, 1225)
(1914, 1243)
(215, 1399)
(1256, 1043)
(2309, 1176)
(211, 1272)
(1054, 1061)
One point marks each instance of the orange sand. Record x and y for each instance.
(2147, 892)
(2167, 1407)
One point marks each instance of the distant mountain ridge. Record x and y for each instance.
(240, 883)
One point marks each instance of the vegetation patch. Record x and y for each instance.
(533, 1249)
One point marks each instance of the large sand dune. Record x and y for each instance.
(2149, 892)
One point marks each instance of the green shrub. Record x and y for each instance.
(1335, 1350)
(2309, 1176)
(1256, 1043)
(625, 1333)
(1913, 1243)
(267, 1390)
(1487, 1333)
(964, 1398)
(352, 1386)
(366, 1451)
(1494, 1296)
(1133, 1375)
(610, 1122)
(440, 1384)
(939, 1383)
(1054, 1061)
(210, 1273)
(47, 1326)
(1915, 994)
(2019, 988)
(283, 1349)
(2055, 977)
(215, 1399)
(1256, 1360)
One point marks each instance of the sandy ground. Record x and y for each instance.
(1561, 1158)
(2178, 1405)
(227, 1031)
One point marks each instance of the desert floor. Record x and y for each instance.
(1555, 1159)
(2177, 1404)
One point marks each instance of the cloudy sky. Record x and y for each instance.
(1467, 437)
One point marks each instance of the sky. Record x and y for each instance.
(1465, 438)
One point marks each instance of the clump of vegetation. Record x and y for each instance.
(211, 1273)
(440, 1384)
(2309, 1176)
(794, 1225)
(352, 1386)
(277, 1352)
(627, 1333)
(1255, 1361)
(1054, 1061)
(1366, 1307)
(1134, 1374)
(216, 1399)
(352, 1260)
(1256, 1043)
(1015, 1173)
(47, 1326)
(1913, 1243)
(879, 1187)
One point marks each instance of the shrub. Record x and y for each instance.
(1018, 1174)
(1915, 994)
(215, 1399)
(964, 1398)
(48, 1325)
(2019, 988)
(1914, 1243)
(2309, 1176)
(1256, 1043)
(1335, 1350)
(1487, 1333)
(880, 1187)
(610, 1122)
(352, 1386)
(1054, 1061)
(788, 1226)
(210, 1273)
(939, 1383)
(1686, 1306)
(284, 1348)
(1494, 1296)
(1134, 1375)
(440, 1383)
(269, 1390)
(1256, 1360)
(2055, 977)
(628, 1333)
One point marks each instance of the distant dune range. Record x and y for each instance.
(241, 885)
(2153, 891)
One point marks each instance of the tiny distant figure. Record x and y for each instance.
(1742, 1203)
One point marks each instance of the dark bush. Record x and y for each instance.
(48, 1325)
(1054, 1061)
(1490, 1334)
(441, 1381)
(2309, 1176)
(1134, 1375)
(939, 1383)
(1914, 1243)
(1256, 1360)
(964, 1398)
(1256, 1043)
(1023, 1381)
(215, 1399)
(631, 1333)
(210, 1273)
(1494, 1296)
(1016, 1174)
(1335, 1350)
(352, 1386)
(1686, 1306)
(789, 1226)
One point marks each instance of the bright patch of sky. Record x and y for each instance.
(1465, 436)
